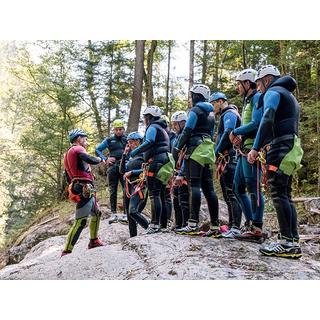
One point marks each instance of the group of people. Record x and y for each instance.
(173, 169)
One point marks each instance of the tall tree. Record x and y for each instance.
(244, 54)
(204, 62)
(134, 115)
(149, 73)
(90, 71)
(191, 69)
(168, 77)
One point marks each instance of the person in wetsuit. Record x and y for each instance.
(278, 135)
(115, 144)
(136, 197)
(246, 178)
(180, 186)
(81, 190)
(226, 158)
(199, 158)
(155, 149)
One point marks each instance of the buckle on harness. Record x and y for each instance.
(273, 168)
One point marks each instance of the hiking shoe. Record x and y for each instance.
(214, 232)
(114, 218)
(65, 252)
(282, 249)
(191, 229)
(230, 234)
(224, 228)
(95, 243)
(251, 233)
(153, 228)
(123, 219)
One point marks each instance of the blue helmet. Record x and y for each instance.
(135, 136)
(75, 133)
(216, 96)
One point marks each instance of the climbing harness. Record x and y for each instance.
(88, 191)
(139, 184)
(222, 162)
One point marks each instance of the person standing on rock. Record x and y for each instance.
(160, 164)
(115, 145)
(180, 187)
(278, 135)
(227, 158)
(246, 178)
(81, 190)
(136, 197)
(168, 198)
(196, 138)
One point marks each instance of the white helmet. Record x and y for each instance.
(153, 110)
(267, 70)
(201, 89)
(179, 116)
(247, 75)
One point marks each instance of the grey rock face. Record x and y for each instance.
(157, 256)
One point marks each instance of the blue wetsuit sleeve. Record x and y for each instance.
(271, 102)
(192, 120)
(148, 142)
(186, 132)
(229, 121)
(101, 147)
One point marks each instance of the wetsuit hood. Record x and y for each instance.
(286, 82)
(160, 122)
(205, 106)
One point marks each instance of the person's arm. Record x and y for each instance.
(101, 147)
(230, 122)
(186, 132)
(271, 102)
(251, 127)
(136, 172)
(88, 158)
(147, 144)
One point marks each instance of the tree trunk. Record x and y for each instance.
(110, 97)
(90, 86)
(204, 62)
(191, 66)
(244, 54)
(168, 78)
(216, 69)
(282, 54)
(134, 116)
(149, 87)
